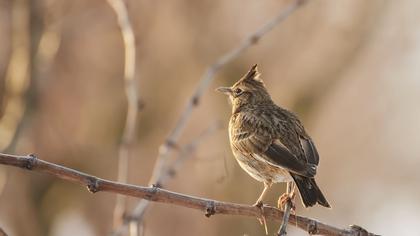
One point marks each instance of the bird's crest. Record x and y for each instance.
(252, 75)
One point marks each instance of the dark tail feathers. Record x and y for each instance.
(309, 191)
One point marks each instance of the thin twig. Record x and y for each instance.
(183, 156)
(132, 99)
(206, 79)
(208, 206)
(186, 153)
(288, 209)
(282, 230)
(2, 233)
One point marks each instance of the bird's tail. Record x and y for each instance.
(309, 191)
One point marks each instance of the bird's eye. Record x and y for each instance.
(238, 91)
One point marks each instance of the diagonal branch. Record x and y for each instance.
(185, 153)
(208, 206)
(2, 233)
(132, 98)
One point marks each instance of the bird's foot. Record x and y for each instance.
(287, 198)
(261, 218)
(258, 204)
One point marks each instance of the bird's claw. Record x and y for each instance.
(286, 198)
(261, 218)
(259, 204)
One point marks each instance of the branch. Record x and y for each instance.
(132, 99)
(186, 153)
(206, 79)
(2, 233)
(208, 206)
(134, 219)
(286, 216)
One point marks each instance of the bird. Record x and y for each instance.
(270, 142)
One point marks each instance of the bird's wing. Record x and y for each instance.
(254, 138)
(309, 148)
(279, 155)
(249, 142)
(305, 141)
(292, 134)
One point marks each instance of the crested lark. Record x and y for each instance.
(270, 143)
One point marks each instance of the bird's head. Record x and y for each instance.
(249, 90)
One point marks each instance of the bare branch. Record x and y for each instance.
(187, 151)
(183, 156)
(208, 206)
(2, 233)
(132, 98)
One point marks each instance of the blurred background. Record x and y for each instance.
(348, 68)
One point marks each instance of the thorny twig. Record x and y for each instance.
(208, 206)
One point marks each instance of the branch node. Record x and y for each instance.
(210, 209)
(156, 186)
(141, 104)
(153, 190)
(93, 185)
(31, 162)
(170, 144)
(195, 101)
(312, 227)
(171, 172)
(301, 2)
(358, 231)
(254, 39)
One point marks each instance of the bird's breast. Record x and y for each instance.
(261, 170)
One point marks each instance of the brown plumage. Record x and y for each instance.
(269, 142)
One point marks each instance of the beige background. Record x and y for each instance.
(349, 68)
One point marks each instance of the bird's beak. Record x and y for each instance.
(225, 90)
